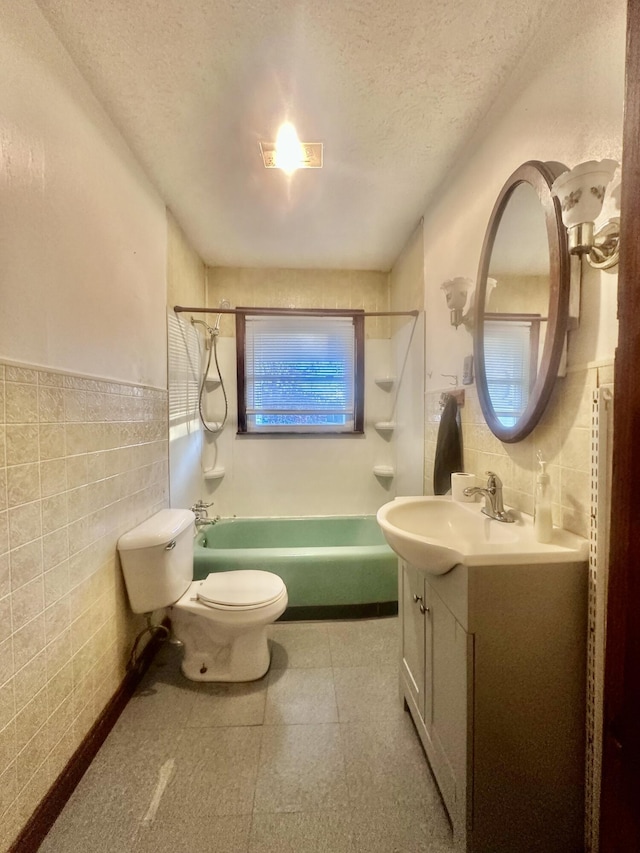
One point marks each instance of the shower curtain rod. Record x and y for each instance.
(297, 312)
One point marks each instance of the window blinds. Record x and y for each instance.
(507, 348)
(299, 373)
(183, 369)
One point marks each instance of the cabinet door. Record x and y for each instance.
(452, 659)
(413, 635)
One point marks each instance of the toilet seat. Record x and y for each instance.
(245, 589)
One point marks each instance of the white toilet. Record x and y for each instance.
(222, 620)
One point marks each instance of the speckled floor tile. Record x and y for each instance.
(365, 642)
(301, 769)
(389, 829)
(300, 696)
(229, 705)
(367, 693)
(215, 772)
(299, 645)
(164, 697)
(302, 832)
(195, 833)
(385, 764)
(104, 812)
(265, 766)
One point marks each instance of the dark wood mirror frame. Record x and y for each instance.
(540, 176)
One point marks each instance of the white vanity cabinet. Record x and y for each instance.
(493, 674)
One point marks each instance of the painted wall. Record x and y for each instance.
(301, 475)
(563, 104)
(83, 262)
(83, 294)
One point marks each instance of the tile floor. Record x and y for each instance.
(317, 757)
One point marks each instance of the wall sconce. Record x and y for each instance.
(581, 193)
(457, 291)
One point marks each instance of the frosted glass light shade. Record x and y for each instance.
(456, 291)
(581, 190)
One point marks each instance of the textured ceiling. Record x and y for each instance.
(393, 90)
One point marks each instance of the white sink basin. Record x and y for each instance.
(436, 533)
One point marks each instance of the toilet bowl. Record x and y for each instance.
(221, 620)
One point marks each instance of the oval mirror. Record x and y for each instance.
(522, 302)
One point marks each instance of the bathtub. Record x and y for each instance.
(336, 567)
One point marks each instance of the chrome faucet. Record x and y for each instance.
(492, 492)
(201, 512)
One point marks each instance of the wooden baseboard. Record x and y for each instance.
(43, 818)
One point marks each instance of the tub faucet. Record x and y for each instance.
(492, 492)
(201, 512)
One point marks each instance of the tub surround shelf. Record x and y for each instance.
(212, 382)
(385, 426)
(385, 382)
(214, 473)
(384, 471)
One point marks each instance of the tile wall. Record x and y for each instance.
(284, 288)
(81, 461)
(563, 436)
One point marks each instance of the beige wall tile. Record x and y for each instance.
(23, 484)
(29, 680)
(5, 574)
(26, 563)
(14, 373)
(6, 673)
(24, 524)
(60, 687)
(52, 441)
(22, 444)
(8, 748)
(32, 769)
(21, 403)
(277, 288)
(27, 602)
(5, 619)
(8, 787)
(58, 653)
(50, 405)
(62, 436)
(28, 641)
(53, 477)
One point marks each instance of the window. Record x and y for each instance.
(511, 364)
(300, 373)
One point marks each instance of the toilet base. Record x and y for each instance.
(211, 655)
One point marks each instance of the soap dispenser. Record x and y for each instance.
(542, 523)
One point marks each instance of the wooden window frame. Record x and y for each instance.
(357, 317)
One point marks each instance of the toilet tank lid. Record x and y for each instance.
(160, 529)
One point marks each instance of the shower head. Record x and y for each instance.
(208, 328)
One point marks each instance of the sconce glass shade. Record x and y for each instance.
(457, 291)
(581, 190)
(581, 193)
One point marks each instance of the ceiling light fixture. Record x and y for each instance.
(289, 154)
(288, 149)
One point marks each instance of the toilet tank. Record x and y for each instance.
(157, 559)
